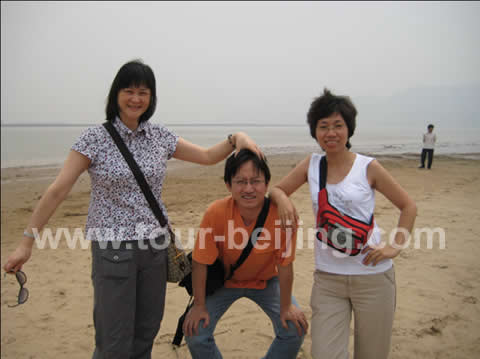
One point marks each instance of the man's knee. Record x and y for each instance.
(194, 340)
(203, 336)
(291, 334)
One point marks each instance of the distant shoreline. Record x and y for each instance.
(164, 124)
(46, 125)
(174, 164)
(48, 143)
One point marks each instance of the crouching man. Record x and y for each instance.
(265, 277)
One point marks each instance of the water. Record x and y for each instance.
(49, 145)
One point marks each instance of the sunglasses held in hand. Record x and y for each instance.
(23, 293)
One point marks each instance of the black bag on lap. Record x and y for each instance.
(215, 277)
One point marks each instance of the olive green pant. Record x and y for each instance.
(129, 282)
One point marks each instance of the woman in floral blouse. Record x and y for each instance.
(128, 259)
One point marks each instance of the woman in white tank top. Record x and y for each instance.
(345, 280)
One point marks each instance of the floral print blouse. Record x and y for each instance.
(118, 209)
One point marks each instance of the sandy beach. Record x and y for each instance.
(438, 298)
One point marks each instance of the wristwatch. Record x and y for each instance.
(230, 140)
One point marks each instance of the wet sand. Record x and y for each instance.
(438, 308)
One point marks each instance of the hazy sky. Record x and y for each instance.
(229, 62)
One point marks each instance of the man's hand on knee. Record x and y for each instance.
(296, 316)
(193, 318)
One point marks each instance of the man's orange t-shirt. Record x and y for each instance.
(223, 234)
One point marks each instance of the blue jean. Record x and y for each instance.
(287, 342)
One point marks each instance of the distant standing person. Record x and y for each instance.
(429, 140)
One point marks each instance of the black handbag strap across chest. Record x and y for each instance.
(137, 172)
(248, 248)
(322, 175)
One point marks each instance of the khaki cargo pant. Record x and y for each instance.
(371, 298)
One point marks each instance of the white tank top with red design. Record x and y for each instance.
(352, 196)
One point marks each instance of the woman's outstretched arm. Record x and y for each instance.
(74, 166)
(187, 151)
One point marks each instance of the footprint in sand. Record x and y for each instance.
(46, 317)
(402, 332)
(74, 214)
(60, 293)
(436, 325)
(24, 210)
(471, 300)
(464, 285)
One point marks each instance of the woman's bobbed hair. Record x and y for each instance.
(134, 73)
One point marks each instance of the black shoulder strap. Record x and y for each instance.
(137, 172)
(248, 248)
(177, 339)
(323, 173)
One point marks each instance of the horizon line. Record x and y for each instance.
(46, 124)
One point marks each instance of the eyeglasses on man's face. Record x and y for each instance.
(244, 182)
(23, 293)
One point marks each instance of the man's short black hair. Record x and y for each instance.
(430, 126)
(233, 164)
